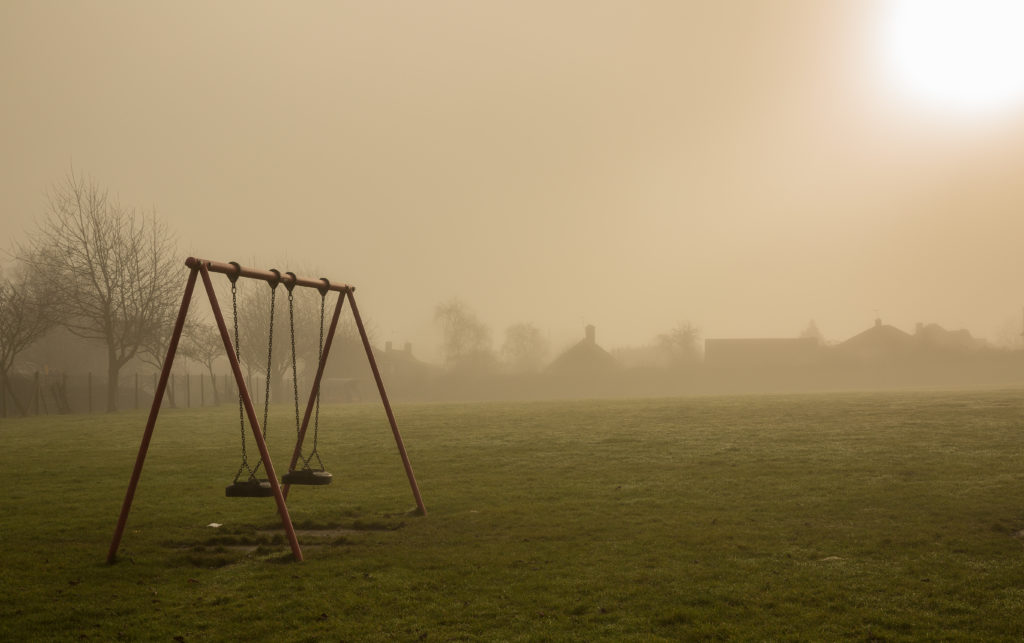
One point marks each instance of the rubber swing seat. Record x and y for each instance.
(249, 489)
(307, 477)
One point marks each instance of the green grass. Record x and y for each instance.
(844, 516)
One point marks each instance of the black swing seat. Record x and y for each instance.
(307, 476)
(251, 488)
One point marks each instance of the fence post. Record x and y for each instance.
(188, 391)
(136, 390)
(89, 391)
(202, 391)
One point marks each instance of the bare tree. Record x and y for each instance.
(153, 350)
(681, 344)
(111, 271)
(525, 348)
(467, 340)
(812, 332)
(203, 345)
(27, 313)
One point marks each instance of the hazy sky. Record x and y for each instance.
(745, 165)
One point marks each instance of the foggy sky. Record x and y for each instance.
(747, 166)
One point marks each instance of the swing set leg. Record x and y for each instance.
(421, 509)
(315, 390)
(158, 396)
(198, 268)
(254, 423)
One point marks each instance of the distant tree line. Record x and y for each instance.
(112, 275)
(467, 346)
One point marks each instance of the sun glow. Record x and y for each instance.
(961, 56)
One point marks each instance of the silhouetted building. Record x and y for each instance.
(584, 358)
(881, 342)
(933, 336)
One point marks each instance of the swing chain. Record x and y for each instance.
(295, 367)
(295, 381)
(270, 353)
(319, 356)
(266, 380)
(241, 414)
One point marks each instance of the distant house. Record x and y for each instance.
(762, 352)
(884, 342)
(398, 362)
(584, 358)
(933, 336)
(879, 342)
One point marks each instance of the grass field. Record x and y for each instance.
(889, 516)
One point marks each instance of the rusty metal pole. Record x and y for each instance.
(172, 347)
(254, 423)
(316, 387)
(387, 406)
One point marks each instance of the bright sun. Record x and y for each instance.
(962, 56)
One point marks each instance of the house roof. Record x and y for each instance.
(583, 358)
(879, 338)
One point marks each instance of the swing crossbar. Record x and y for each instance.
(287, 279)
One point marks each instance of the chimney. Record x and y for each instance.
(591, 334)
(878, 322)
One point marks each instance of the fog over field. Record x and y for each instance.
(746, 166)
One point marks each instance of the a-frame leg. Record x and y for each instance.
(282, 508)
(315, 390)
(420, 507)
(158, 396)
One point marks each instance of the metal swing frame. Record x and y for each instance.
(203, 268)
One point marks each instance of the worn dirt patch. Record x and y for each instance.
(311, 534)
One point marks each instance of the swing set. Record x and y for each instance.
(302, 469)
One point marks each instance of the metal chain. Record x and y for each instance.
(270, 356)
(319, 356)
(241, 415)
(295, 384)
(266, 380)
(295, 367)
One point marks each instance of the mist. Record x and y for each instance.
(742, 166)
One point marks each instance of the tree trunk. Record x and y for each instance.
(113, 373)
(213, 385)
(169, 391)
(6, 386)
